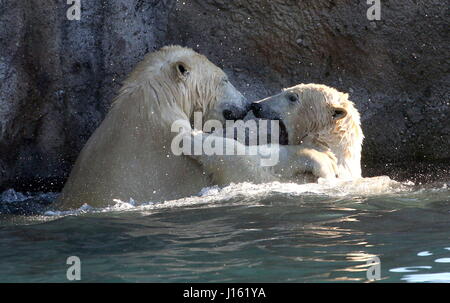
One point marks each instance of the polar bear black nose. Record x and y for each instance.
(228, 114)
(234, 113)
(256, 109)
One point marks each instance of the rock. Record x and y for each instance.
(58, 77)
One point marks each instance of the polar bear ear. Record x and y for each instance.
(181, 69)
(339, 113)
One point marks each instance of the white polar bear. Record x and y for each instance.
(129, 155)
(320, 134)
(318, 116)
(321, 139)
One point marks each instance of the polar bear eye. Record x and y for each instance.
(292, 97)
(182, 69)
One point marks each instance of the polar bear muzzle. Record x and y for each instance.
(235, 105)
(235, 113)
(261, 110)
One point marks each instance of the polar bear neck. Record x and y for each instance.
(345, 140)
(159, 105)
(163, 98)
(146, 110)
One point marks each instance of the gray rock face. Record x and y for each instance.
(57, 77)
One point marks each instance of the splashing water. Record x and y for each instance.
(240, 233)
(244, 193)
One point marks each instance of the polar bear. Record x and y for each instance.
(315, 115)
(319, 118)
(299, 164)
(319, 134)
(129, 155)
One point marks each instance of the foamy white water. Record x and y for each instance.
(213, 196)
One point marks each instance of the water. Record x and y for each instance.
(242, 233)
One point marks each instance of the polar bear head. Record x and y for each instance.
(314, 112)
(176, 81)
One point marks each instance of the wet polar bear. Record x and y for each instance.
(322, 118)
(319, 116)
(320, 136)
(129, 155)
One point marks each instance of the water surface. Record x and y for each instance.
(241, 233)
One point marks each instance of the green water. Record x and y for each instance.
(253, 235)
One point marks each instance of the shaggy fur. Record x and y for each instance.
(129, 156)
(320, 116)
